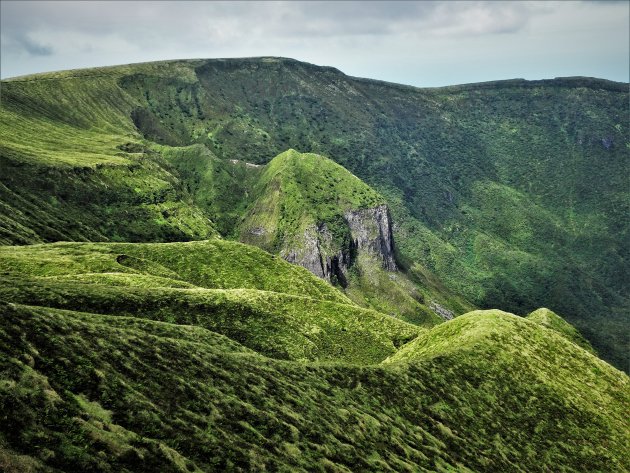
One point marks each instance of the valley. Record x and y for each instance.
(261, 264)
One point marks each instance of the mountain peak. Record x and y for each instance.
(303, 209)
(549, 319)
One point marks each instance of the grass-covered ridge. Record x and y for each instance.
(300, 190)
(222, 189)
(74, 167)
(553, 321)
(107, 393)
(267, 304)
(318, 175)
(118, 353)
(512, 193)
(212, 264)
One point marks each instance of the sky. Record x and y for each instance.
(423, 43)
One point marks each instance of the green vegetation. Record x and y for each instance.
(135, 336)
(488, 392)
(297, 191)
(299, 206)
(223, 189)
(263, 302)
(209, 264)
(73, 166)
(550, 319)
(397, 294)
(512, 194)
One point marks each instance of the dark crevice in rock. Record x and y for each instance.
(370, 233)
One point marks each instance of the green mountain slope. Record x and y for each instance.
(278, 309)
(208, 264)
(222, 189)
(109, 393)
(513, 193)
(315, 213)
(298, 191)
(119, 353)
(73, 167)
(553, 321)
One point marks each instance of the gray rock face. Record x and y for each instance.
(370, 233)
(258, 231)
(309, 256)
(315, 255)
(441, 311)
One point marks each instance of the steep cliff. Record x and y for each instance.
(370, 234)
(316, 214)
(315, 255)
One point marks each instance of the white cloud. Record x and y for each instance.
(424, 43)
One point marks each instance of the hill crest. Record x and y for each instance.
(475, 179)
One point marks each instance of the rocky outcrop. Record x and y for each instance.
(318, 256)
(309, 255)
(441, 311)
(370, 233)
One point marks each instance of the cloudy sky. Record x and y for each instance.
(418, 43)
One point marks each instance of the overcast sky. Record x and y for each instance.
(417, 43)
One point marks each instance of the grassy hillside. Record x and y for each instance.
(110, 393)
(553, 321)
(77, 187)
(512, 193)
(118, 353)
(297, 191)
(73, 166)
(223, 189)
(278, 309)
(299, 204)
(208, 264)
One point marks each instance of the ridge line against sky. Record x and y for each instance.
(423, 44)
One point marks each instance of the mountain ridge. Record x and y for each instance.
(576, 80)
(444, 159)
(423, 415)
(156, 342)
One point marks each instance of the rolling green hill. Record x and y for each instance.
(510, 194)
(137, 334)
(73, 168)
(263, 302)
(217, 356)
(484, 392)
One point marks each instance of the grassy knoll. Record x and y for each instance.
(484, 392)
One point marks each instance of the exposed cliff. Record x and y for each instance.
(316, 214)
(315, 255)
(370, 233)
